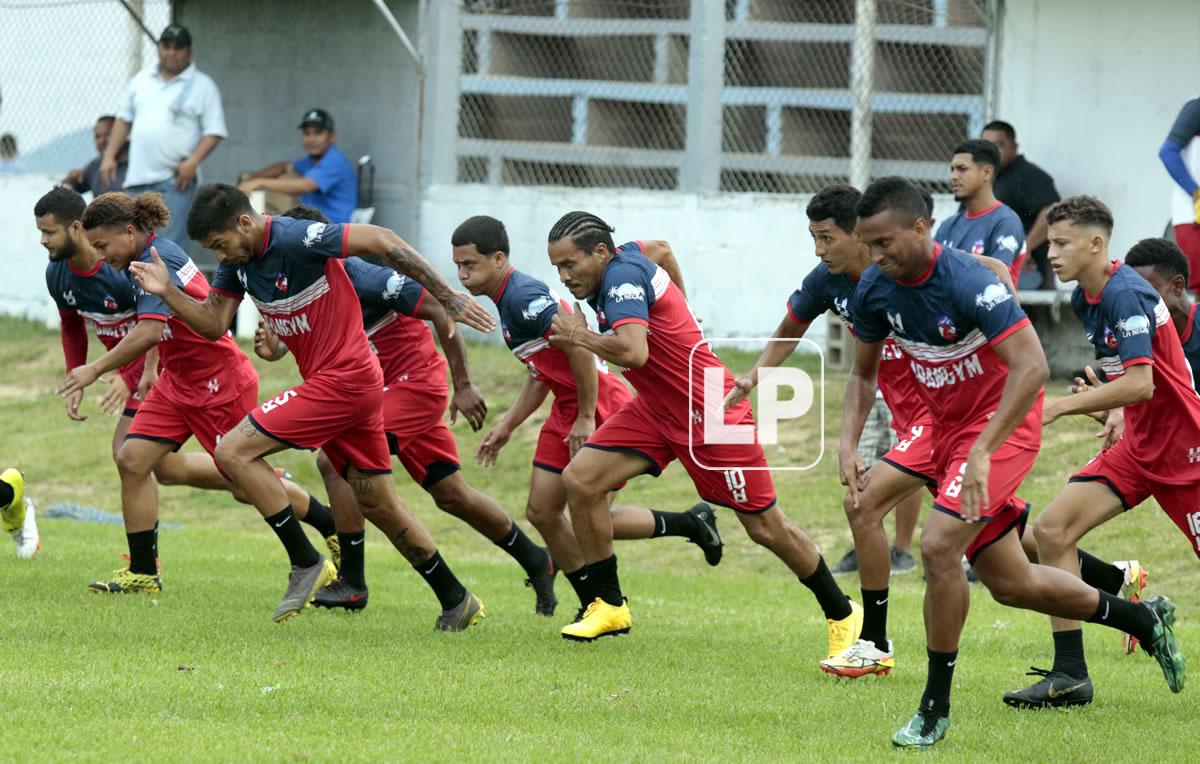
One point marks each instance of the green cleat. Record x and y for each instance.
(922, 731)
(1162, 646)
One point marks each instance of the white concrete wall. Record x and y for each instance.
(1092, 88)
(741, 254)
(22, 257)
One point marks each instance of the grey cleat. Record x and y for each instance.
(303, 585)
(462, 616)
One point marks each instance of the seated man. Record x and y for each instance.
(87, 178)
(324, 179)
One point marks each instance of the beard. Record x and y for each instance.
(68, 250)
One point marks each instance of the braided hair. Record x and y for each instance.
(584, 229)
(146, 211)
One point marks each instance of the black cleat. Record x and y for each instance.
(1054, 690)
(543, 588)
(342, 594)
(848, 564)
(707, 537)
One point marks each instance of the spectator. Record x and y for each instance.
(324, 178)
(1180, 154)
(8, 154)
(175, 110)
(87, 178)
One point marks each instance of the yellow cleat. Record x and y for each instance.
(335, 551)
(12, 517)
(601, 620)
(844, 633)
(126, 582)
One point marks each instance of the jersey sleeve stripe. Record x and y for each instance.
(225, 292)
(631, 320)
(420, 300)
(153, 316)
(1010, 331)
(346, 240)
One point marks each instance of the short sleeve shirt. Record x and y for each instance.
(389, 302)
(337, 184)
(996, 232)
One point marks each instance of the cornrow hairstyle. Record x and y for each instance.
(1163, 256)
(305, 212)
(1082, 210)
(146, 211)
(837, 201)
(486, 233)
(64, 203)
(584, 229)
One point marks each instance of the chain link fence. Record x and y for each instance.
(63, 64)
(597, 92)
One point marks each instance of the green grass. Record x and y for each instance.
(721, 663)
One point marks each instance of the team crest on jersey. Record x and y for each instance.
(1007, 242)
(625, 292)
(842, 306)
(536, 307)
(896, 321)
(947, 329)
(109, 302)
(281, 284)
(395, 283)
(69, 297)
(993, 295)
(1133, 326)
(312, 236)
(1110, 339)
(242, 277)
(977, 248)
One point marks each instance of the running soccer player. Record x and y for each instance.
(984, 226)
(647, 328)
(1165, 267)
(1150, 385)
(981, 367)
(293, 271)
(204, 387)
(585, 395)
(394, 310)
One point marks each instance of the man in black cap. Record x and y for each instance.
(177, 119)
(324, 178)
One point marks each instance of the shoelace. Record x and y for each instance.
(1035, 671)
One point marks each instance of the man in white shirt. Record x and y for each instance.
(177, 120)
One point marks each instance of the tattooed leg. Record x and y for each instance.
(379, 503)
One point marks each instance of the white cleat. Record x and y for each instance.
(27, 538)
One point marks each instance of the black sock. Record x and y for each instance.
(1100, 574)
(143, 551)
(442, 580)
(603, 577)
(532, 557)
(6, 494)
(673, 524)
(581, 582)
(319, 517)
(353, 559)
(834, 603)
(1133, 618)
(287, 528)
(874, 626)
(1068, 653)
(936, 700)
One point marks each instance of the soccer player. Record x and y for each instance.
(647, 328)
(585, 395)
(203, 388)
(293, 271)
(1165, 267)
(16, 514)
(1150, 386)
(984, 226)
(981, 367)
(394, 310)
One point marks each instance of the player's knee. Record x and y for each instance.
(579, 485)
(451, 496)
(130, 464)
(1008, 589)
(937, 551)
(1051, 536)
(764, 529)
(228, 458)
(538, 516)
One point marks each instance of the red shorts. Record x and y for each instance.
(416, 432)
(1187, 236)
(347, 424)
(160, 417)
(132, 378)
(734, 476)
(1010, 465)
(552, 453)
(1118, 469)
(914, 453)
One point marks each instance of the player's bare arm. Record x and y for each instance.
(529, 400)
(396, 252)
(466, 399)
(625, 347)
(145, 335)
(587, 387)
(1027, 373)
(660, 253)
(860, 398)
(211, 319)
(149, 373)
(772, 355)
(1134, 386)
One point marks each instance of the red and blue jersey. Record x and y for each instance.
(996, 232)
(1191, 344)
(1128, 324)
(104, 299)
(192, 369)
(633, 290)
(527, 306)
(299, 284)
(822, 291)
(947, 322)
(389, 303)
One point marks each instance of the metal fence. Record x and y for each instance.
(63, 63)
(736, 95)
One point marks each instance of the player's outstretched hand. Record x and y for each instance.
(489, 447)
(149, 377)
(1085, 385)
(153, 278)
(77, 379)
(580, 432)
(461, 307)
(973, 501)
(741, 388)
(1114, 425)
(113, 402)
(469, 402)
(73, 401)
(852, 472)
(566, 327)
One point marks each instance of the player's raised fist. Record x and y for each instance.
(153, 278)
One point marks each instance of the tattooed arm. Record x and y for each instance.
(383, 243)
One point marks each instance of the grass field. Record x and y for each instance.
(721, 663)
